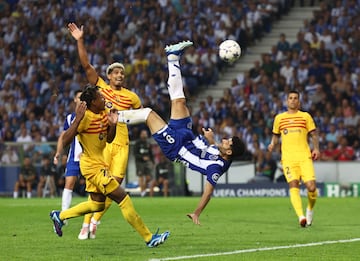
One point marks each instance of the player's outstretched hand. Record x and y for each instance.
(270, 147)
(75, 31)
(56, 158)
(209, 135)
(315, 154)
(194, 218)
(113, 117)
(80, 110)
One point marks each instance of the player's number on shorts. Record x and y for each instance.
(168, 137)
(287, 172)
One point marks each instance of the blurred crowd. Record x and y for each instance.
(323, 64)
(40, 68)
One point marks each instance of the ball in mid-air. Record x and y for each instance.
(229, 51)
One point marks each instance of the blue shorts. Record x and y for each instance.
(173, 136)
(72, 170)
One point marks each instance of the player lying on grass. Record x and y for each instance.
(94, 129)
(176, 138)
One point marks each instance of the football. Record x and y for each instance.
(229, 51)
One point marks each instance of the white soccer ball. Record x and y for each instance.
(229, 51)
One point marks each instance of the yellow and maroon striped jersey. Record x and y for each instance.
(92, 135)
(294, 129)
(122, 99)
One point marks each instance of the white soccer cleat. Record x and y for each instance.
(177, 49)
(84, 233)
(302, 221)
(309, 217)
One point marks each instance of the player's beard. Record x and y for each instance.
(118, 84)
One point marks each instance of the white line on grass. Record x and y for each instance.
(258, 249)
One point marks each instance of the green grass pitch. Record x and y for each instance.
(231, 229)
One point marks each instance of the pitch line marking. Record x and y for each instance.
(258, 249)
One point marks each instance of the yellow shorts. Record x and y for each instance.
(299, 170)
(98, 179)
(117, 157)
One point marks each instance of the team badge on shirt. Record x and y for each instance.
(101, 136)
(109, 104)
(215, 177)
(286, 131)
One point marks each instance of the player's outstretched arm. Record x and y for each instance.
(59, 148)
(205, 198)
(78, 34)
(315, 154)
(274, 141)
(209, 135)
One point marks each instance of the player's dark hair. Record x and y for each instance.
(76, 92)
(89, 94)
(294, 91)
(237, 147)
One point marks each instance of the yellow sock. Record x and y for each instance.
(130, 215)
(312, 196)
(87, 217)
(98, 215)
(296, 201)
(81, 209)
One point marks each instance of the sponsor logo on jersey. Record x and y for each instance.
(213, 157)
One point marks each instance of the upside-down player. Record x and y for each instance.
(176, 139)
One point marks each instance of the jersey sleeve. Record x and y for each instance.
(213, 173)
(310, 124)
(102, 84)
(136, 102)
(276, 127)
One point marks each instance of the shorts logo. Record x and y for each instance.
(285, 131)
(189, 125)
(215, 177)
(109, 104)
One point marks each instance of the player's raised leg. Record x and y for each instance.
(179, 109)
(176, 92)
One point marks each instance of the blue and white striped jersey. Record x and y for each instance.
(198, 155)
(75, 148)
(179, 144)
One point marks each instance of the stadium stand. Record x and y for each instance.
(39, 65)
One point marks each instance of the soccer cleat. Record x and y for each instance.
(58, 223)
(177, 49)
(158, 239)
(309, 217)
(93, 227)
(84, 233)
(302, 221)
